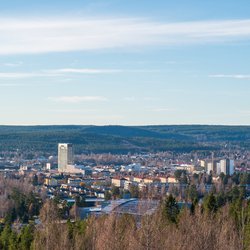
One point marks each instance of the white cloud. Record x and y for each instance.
(78, 99)
(13, 85)
(73, 110)
(247, 77)
(56, 72)
(18, 75)
(87, 71)
(45, 35)
(13, 64)
(68, 71)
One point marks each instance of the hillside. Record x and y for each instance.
(123, 139)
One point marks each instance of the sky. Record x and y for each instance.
(124, 62)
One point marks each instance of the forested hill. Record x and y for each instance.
(123, 139)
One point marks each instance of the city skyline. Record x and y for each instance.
(126, 63)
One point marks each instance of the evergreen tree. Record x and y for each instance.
(5, 237)
(192, 194)
(10, 216)
(26, 237)
(221, 199)
(13, 241)
(210, 204)
(247, 227)
(35, 180)
(170, 209)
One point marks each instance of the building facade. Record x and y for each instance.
(227, 166)
(65, 156)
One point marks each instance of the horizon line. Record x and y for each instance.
(124, 125)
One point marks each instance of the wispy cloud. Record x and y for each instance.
(73, 110)
(87, 71)
(18, 75)
(12, 64)
(13, 85)
(46, 34)
(57, 72)
(236, 76)
(78, 99)
(70, 71)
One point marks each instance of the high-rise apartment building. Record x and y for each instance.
(211, 166)
(65, 156)
(227, 166)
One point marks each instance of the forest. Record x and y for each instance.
(207, 227)
(123, 139)
(218, 219)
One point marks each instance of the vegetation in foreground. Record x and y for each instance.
(218, 219)
(210, 226)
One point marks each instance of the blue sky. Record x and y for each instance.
(124, 62)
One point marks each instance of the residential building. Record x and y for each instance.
(118, 182)
(227, 166)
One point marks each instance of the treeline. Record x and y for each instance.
(209, 226)
(207, 132)
(16, 239)
(219, 219)
(18, 201)
(123, 139)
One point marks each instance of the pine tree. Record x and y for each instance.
(13, 241)
(210, 204)
(26, 238)
(171, 209)
(5, 237)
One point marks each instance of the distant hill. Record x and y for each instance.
(125, 131)
(207, 132)
(123, 139)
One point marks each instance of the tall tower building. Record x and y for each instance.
(65, 156)
(224, 166)
(227, 166)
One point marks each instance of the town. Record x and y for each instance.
(125, 125)
(105, 183)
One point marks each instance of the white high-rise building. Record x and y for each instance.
(65, 156)
(224, 165)
(227, 166)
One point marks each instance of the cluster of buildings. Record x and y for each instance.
(95, 175)
(216, 167)
(142, 181)
(138, 173)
